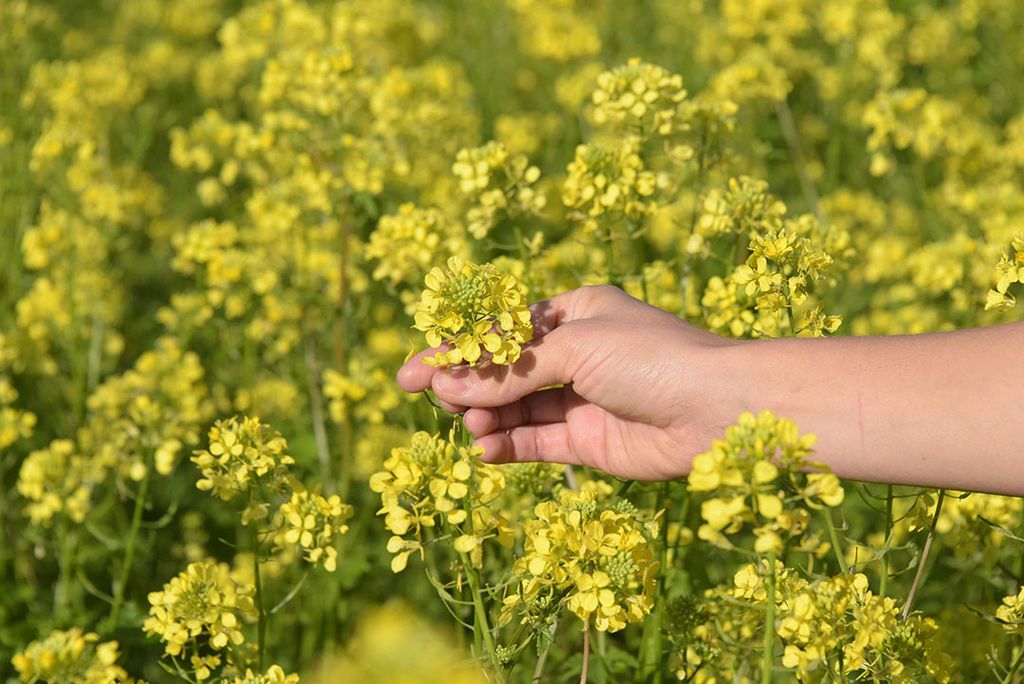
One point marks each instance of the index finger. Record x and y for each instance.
(416, 376)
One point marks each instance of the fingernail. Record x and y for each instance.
(454, 381)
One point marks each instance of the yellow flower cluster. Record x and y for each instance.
(405, 243)
(15, 423)
(555, 29)
(605, 186)
(432, 482)
(769, 294)
(1011, 613)
(72, 657)
(311, 522)
(744, 206)
(639, 97)
(365, 394)
(198, 614)
(591, 555)
(911, 118)
(835, 628)
(275, 674)
(757, 475)
(243, 454)
(154, 408)
(970, 522)
(55, 480)
(498, 184)
(473, 309)
(1009, 271)
(393, 644)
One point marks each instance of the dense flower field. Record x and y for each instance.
(225, 224)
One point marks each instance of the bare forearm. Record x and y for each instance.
(942, 410)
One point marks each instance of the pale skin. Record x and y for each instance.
(612, 383)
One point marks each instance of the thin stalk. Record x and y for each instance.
(261, 613)
(538, 670)
(584, 671)
(883, 582)
(834, 538)
(341, 343)
(652, 641)
(129, 553)
(316, 404)
(789, 132)
(1013, 667)
(609, 252)
(62, 589)
(481, 627)
(524, 256)
(768, 652)
(918, 576)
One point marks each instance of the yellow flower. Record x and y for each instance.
(745, 473)
(1011, 613)
(311, 522)
(639, 97)
(274, 675)
(203, 607)
(593, 555)
(474, 309)
(431, 483)
(70, 656)
(242, 452)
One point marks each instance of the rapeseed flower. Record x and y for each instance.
(473, 309)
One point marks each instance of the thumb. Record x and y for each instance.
(549, 360)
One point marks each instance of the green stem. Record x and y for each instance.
(524, 256)
(481, 628)
(1013, 667)
(538, 670)
(64, 582)
(789, 132)
(261, 613)
(584, 671)
(316, 404)
(768, 652)
(834, 538)
(919, 575)
(129, 554)
(883, 583)
(609, 252)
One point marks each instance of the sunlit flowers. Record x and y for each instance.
(202, 605)
(243, 452)
(473, 309)
(312, 522)
(640, 97)
(757, 475)
(1009, 271)
(70, 656)
(591, 554)
(433, 483)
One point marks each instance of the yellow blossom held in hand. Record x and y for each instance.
(473, 309)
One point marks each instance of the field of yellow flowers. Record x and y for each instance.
(224, 224)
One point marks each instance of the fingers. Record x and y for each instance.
(450, 408)
(547, 360)
(546, 406)
(530, 443)
(414, 375)
(550, 360)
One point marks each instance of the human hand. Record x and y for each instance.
(608, 382)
